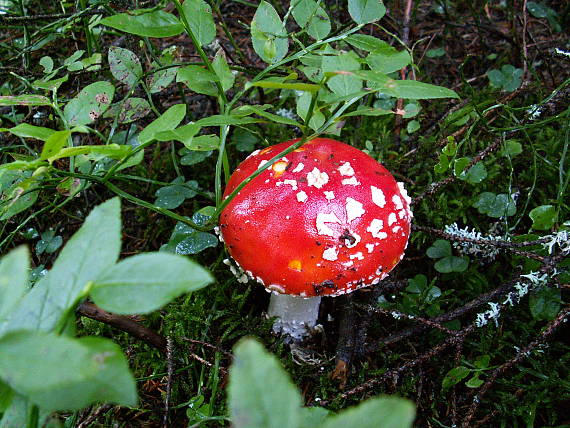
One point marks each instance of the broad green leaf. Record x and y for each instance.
(308, 87)
(192, 157)
(170, 119)
(440, 248)
(49, 242)
(161, 79)
(312, 417)
(384, 412)
(14, 268)
(50, 85)
(151, 24)
(198, 79)
(366, 11)
(174, 195)
(185, 134)
(24, 100)
(482, 362)
(113, 151)
(413, 126)
(451, 264)
(369, 43)
(369, 111)
(125, 66)
(545, 303)
(474, 382)
(56, 141)
(129, 110)
(388, 62)
(90, 251)
(26, 130)
(476, 174)
(90, 104)
(19, 194)
(199, 16)
(409, 89)
(343, 85)
(435, 53)
(47, 63)
(260, 110)
(543, 217)
(512, 148)
(268, 34)
(342, 62)
(311, 17)
(186, 240)
(225, 75)
(146, 282)
(454, 376)
(204, 143)
(82, 371)
(225, 119)
(260, 392)
(495, 205)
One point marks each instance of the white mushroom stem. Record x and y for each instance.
(296, 316)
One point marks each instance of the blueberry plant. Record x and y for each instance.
(124, 136)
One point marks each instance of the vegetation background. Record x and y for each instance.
(157, 102)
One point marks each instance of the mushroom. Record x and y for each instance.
(324, 220)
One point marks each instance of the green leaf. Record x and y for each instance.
(14, 268)
(413, 126)
(312, 417)
(185, 134)
(544, 303)
(24, 100)
(146, 282)
(507, 79)
(125, 66)
(482, 361)
(223, 71)
(495, 205)
(90, 251)
(308, 87)
(474, 382)
(133, 109)
(198, 79)
(90, 104)
(369, 111)
(389, 61)
(366, 11)
(169, 120)
(543, 217)
(152, 24)
(369, 43)
(94, 370)
(199, 16)
(18, 192)
(384, 412)
(268, 34)
(161, 79)
(454, 376)
(204, 143)
(311, 17)
(25, 130)
(259, 110)
(56, 141)
(435, 53)
(113, 151)
(440, 248)
(343, 85)
(451, 264)
(225, 119)
(49, 242)
(186, 240)
(47, 63)
(409, 89)
(512, 148)
(173, 196)
(260, 392)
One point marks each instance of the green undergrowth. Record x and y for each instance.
(119, 127)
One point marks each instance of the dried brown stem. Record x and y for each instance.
(90, 310)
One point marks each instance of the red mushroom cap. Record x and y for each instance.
(325, 219)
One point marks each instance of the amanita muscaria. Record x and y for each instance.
(324, 220)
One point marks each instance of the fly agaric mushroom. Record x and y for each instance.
(324, 220)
